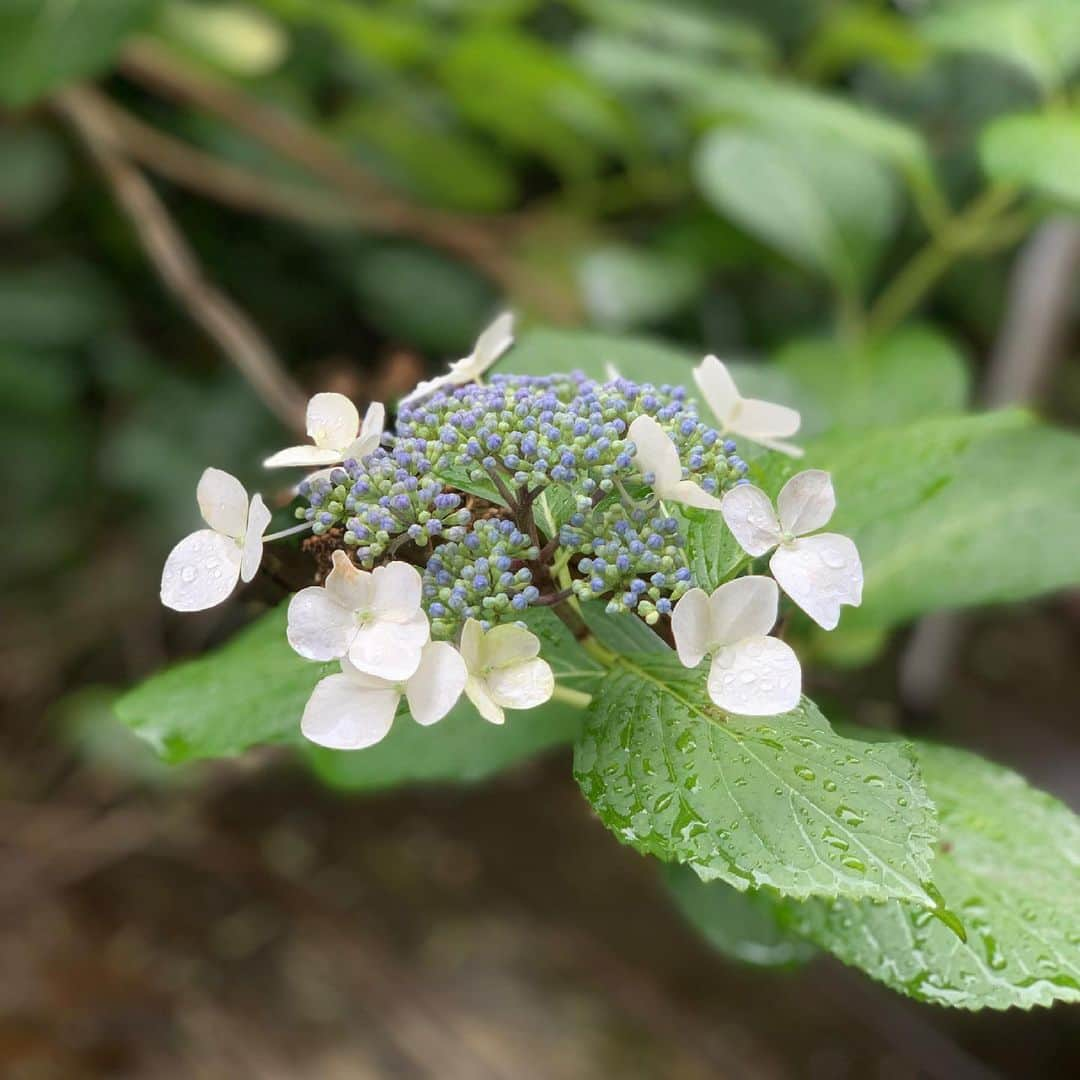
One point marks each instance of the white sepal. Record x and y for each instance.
(434, 688)
(493, 341)
(759, 421)
(748, 513)
(334, 427)
(204, 568)
(751, 674)
(354, 710)
(505, 670)
(656, 455)
(350, 711)
(820, 572)
(374, 619)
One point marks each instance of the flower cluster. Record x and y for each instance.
(485, 576)
(383, 500)
(487, 498)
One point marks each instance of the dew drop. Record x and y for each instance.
(805, 773)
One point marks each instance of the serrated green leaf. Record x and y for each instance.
(828, 207)
(250, 691)
(741, 925)
(783, 802)
(1008, 865)
(953, 512)
(1040, 151)
(44, 45)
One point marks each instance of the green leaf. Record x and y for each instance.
(625, 287)
(683, 29)
(1041, 37)
(826, 206)
(543, 351)
(436, 163)
(711, 549)
(251, 691)
(34, 175)
(775, 105)
(553, 508)
(45, 45)
(499, 76)
(910, 375)
(741, 925)
(1008, 864)
(784, 802)
(622, 632)
(953, 512)
(1040, 151)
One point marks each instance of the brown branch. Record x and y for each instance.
(485, 243)
(222, 181)
(216, 313)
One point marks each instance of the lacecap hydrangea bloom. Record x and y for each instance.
(494, 499)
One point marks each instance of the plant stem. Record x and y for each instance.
(956, 238)
(578, 699)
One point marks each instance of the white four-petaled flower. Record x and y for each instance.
(355, 709)
(818, 572)
(204, 567)
(373, 619)
(490, 345)
(751, 674)
(658, 458)
(759, 421)
(336, 433)
(505, 669)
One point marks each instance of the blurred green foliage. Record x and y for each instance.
(835, 187)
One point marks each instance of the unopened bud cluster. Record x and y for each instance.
(511, 438)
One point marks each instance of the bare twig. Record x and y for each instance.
(174, 260)
(486, 243)
(220, 180)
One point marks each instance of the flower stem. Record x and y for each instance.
(287, 532)
(578, 699)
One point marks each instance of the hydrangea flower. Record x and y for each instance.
(658, 459)
(374, 619)
(759, 421)
(751, 674)
(355, 709)
(487, 498)
(818, 572)
(505, 669)
(490, 345)
(336, 432)
(203, 569)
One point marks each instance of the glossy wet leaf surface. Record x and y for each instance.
(783, 802)
(1008, 864)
